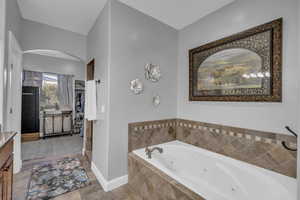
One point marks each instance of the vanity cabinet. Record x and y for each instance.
(6, 171)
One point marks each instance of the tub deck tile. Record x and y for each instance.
(151, 183)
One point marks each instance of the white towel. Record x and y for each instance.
(91, 101)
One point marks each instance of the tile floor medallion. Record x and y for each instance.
(49, 180)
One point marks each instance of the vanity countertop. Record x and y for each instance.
(6, 137)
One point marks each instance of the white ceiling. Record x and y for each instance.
(53, 53)
(74, 15)
(177, 13)
(79, 15)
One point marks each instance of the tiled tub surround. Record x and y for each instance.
(255, 147)
(142, 134)
(150, 183)
(259, 148)
(203, 174)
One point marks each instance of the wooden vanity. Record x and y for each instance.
(6, 165)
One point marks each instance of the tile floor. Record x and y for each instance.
(56, 146)
(92, 192)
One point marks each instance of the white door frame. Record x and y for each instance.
(2, 55)
(14, 96)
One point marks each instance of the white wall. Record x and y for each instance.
(13, 24)
(136, 40)
(236, 17)
(40, 36)
(98, 48)
(14, 97)
(41, 63)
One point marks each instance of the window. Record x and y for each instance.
(49, 93)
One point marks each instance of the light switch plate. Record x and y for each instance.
(102, 109)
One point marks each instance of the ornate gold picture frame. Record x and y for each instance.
(243, 67)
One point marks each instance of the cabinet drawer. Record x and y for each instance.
(6, 152)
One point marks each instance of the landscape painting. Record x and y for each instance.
(246, 67)
(231, 69)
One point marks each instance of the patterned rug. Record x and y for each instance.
(53, 179)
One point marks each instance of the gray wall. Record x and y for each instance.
(136, 40)
(55, 65)
(13, 18)
(40, 36)
(236, 17)
(98, 48)
(13, 24)
(122, 41)
(2, 46)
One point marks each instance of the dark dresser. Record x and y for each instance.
(6, 165)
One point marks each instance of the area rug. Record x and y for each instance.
(49, 180)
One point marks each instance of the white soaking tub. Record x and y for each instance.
(217, 177)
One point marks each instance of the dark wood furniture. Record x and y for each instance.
(6, 170)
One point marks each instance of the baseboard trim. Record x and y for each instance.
(17, 166)
(109, 185)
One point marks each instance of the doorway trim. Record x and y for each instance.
(88, 136)
(14, 96)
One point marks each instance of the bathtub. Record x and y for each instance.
(216, 177)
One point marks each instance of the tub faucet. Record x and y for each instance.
(149, 151)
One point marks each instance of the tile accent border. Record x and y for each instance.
(260, 148)
(261, 136)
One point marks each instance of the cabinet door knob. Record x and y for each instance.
(6, 169)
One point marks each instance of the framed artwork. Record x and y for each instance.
(243, 67)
